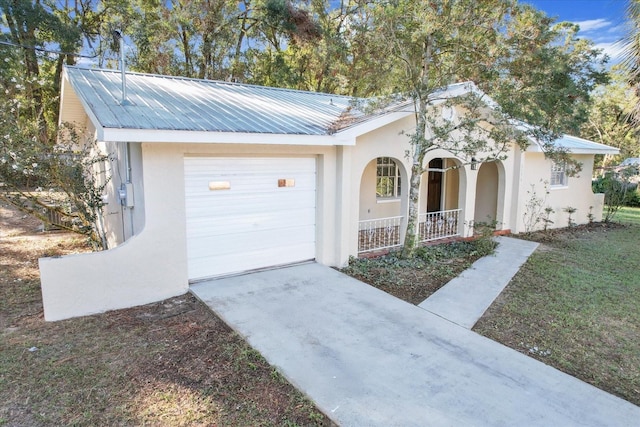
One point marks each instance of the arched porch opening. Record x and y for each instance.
(487, 194)
(382, 205)
(441, 199)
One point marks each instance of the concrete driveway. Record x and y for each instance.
(369, 359)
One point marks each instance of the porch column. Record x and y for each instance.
(347, 195)
(468, 200)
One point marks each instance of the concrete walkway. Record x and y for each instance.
(465, 299)
(369, 359)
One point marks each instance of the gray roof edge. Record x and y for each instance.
(589, 147)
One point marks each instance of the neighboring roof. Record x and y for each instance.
(631, 161)
(576, 145)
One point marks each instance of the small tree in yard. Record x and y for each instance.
(423, 46)
(41, 178)
(615, 185)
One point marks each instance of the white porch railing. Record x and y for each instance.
(438, 225)
(381, 233)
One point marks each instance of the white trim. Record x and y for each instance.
(388, 199)
(209, 137)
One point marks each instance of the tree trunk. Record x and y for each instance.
(411, 235)
(235, 64)
(420, 148)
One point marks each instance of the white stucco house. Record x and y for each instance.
(212, 178)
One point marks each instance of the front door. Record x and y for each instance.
(434, 186)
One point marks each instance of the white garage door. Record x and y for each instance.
(248, 213)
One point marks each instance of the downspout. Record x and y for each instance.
(129, 181)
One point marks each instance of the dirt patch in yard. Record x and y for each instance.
(169, 363)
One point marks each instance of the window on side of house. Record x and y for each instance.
(558, 174)
(387, 178)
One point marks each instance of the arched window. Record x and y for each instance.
(387, 178)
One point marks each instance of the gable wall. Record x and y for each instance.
(71, 109)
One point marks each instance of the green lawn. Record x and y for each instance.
(576, 305)
(628, 216)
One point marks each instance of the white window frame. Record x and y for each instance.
(559, 176)
(387, 169)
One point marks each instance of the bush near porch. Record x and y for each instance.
(415, 279)
(574, 305)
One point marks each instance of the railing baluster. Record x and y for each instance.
(438, 225)
(381, 233)
(384, 233)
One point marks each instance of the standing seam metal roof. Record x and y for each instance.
(184, 104)
(177, 103)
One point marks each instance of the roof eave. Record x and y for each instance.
(209, 137)
(537, 148)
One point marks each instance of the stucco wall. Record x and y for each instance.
(152, 265)
(148, 267)
(370, 206)
(452, 186)
(536, 173)
(486, 193)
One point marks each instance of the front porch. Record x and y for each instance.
(453, 197)
(386, 233)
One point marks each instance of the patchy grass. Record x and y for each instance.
(574, 305)
(171, 363)
(628, 216)
(414, 280)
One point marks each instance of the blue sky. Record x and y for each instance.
(600, 20)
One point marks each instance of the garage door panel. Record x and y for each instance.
(264, 240)
(254, 260)
(244, 203)
(206, 227)
(250, 165)
(253, 224)
(250, 185)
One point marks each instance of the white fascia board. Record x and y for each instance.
(351, 133)
(609, 150)
(535, 148)
(206, 137)
(63, 89)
